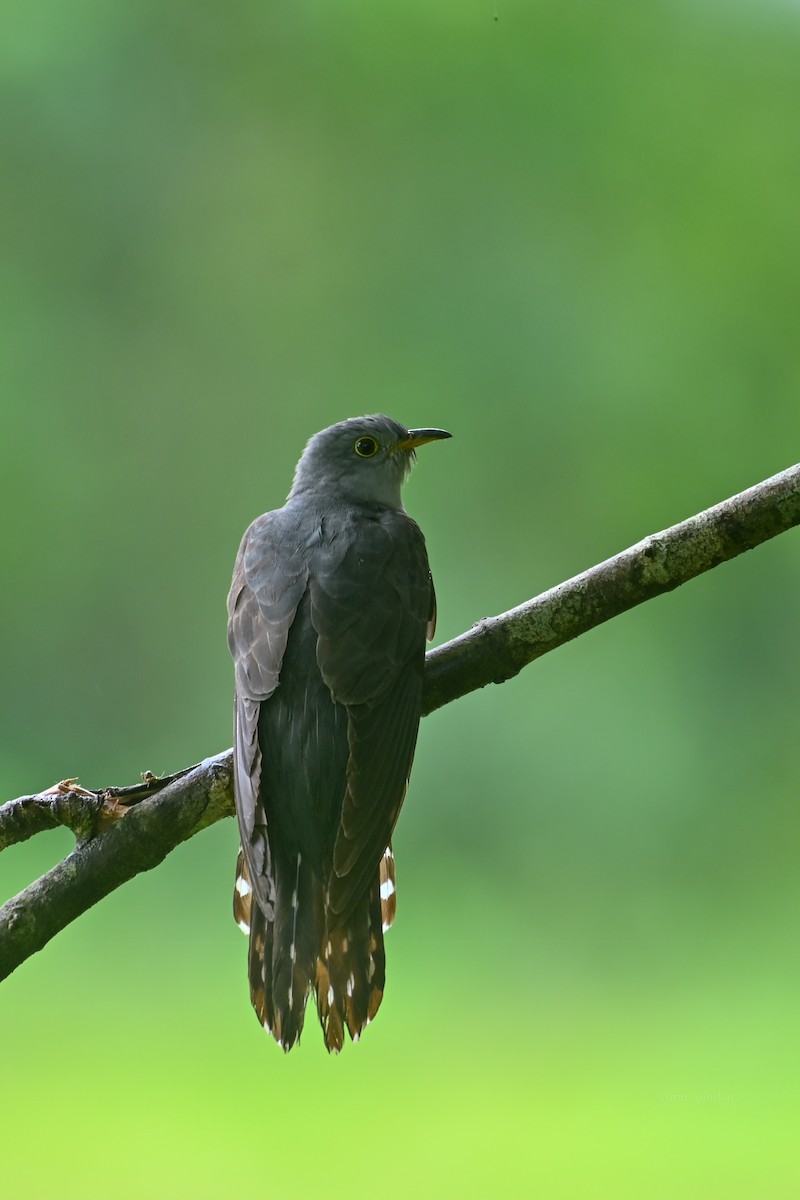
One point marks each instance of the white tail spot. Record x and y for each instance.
(245, 928)
(243, 887)
(292, 945)
(331, 996)
(351, 983)
(387, 889)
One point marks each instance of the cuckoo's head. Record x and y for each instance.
(363, 460)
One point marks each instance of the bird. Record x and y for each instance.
(329, 610)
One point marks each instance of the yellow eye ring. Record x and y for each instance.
(366, 447)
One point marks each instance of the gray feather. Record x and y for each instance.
(328, 611)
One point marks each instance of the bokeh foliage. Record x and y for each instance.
(569, 233)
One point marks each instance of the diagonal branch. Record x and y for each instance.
(497, 648)
(96, 867)
(492, 651)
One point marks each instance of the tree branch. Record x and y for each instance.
(86, 813)
(165, 812)
(497, 648)
(96, 867)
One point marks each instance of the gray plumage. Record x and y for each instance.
(329, 609)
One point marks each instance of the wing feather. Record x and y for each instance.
(269, 580)
(367, 827)
(371, 614)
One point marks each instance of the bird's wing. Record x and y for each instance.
(371, 613)
(269, 580)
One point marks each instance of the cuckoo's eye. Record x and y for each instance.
(366, 447)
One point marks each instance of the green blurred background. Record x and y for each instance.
(570, 233)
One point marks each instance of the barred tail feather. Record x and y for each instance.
(283, 950)
(242, 894)
(298, 932)
(304, 946)
(259, 969)
(388, 889)
(351, 972)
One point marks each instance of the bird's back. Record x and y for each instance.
(329, 608)
(335, 739)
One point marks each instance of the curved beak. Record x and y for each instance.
(418, 437)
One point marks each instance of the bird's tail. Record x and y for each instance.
(351, 971)
(283, 948)
(298, 948)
